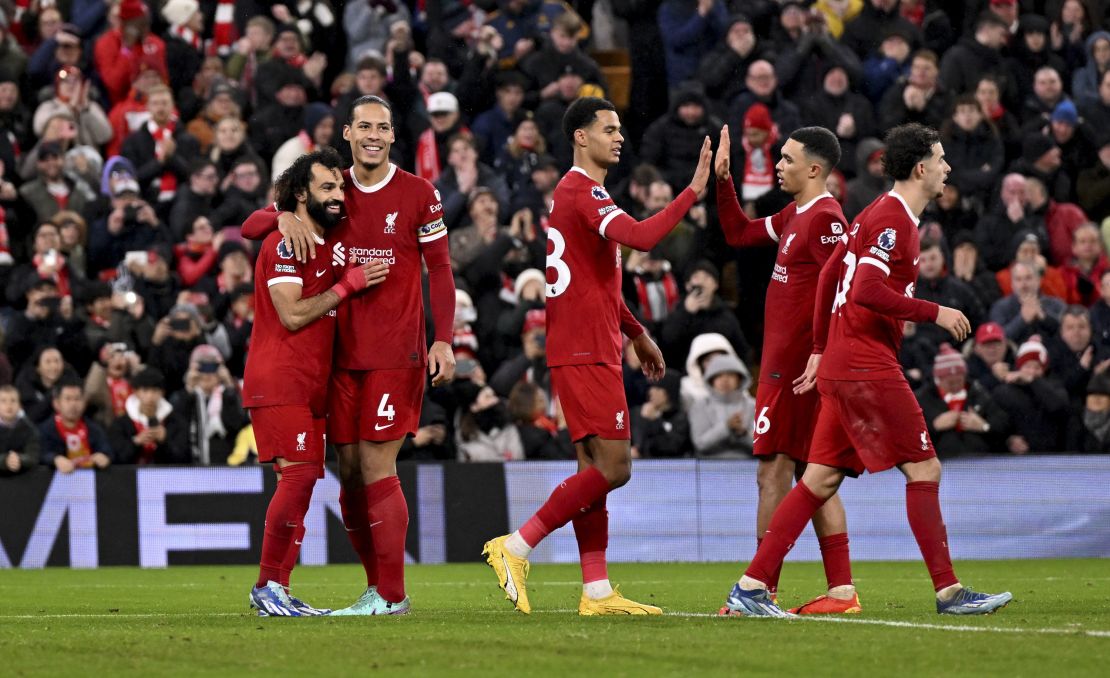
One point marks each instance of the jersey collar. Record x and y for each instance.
(809, 204)
(913, 217)
(576, 168)
(376, 187)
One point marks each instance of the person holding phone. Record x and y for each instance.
(701, 311)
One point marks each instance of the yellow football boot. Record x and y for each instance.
(614, 603)
(512, 572)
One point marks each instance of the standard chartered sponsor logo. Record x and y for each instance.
(361, 255)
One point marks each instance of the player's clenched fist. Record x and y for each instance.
(954, 321)
(360, 277)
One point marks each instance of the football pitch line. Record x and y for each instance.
(956, 628)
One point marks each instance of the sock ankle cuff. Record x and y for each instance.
(923, 486)
(382, 489)
(833, 540)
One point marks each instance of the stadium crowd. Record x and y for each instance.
(136, 137)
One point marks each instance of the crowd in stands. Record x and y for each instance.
(137, 135)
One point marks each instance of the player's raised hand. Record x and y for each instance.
(651, 358)
(298, 235)
(808, 380)
(722, 163)
(441, 363)
(955, 322)
(701, 174)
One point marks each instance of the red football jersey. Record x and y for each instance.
(383, 327)
(806, 235)
(862, 344)
(283, 367)
(583, 275)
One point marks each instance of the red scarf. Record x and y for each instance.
(296, 61)
(76, 440)
(146, 453)
(120, 390)
(59, 190)
(16, 24)
(5, 244)
(167, 185)
(648, 295)
(427, 156)
(309, 145)
(955, 402)
(224, 33)
(189, 36)
(759, 170)
(61, 275)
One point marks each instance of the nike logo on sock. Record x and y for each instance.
(377, 523)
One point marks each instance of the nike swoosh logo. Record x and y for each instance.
(379, 427)
(320, 273)
(377, 523)
(510, 585)
(755, 440)
(916, 259)
(297, 543)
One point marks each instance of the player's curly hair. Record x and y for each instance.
(297, 178)
(582, 113)
(907, 145)
(365, 100)
(819, 143)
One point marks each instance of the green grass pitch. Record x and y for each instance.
(194, 621)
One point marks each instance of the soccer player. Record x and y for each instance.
(285, 384)
(584, 352)
(807, 230)
(869, 418)
(377, 385)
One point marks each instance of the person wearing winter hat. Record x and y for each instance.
(485, 432)
(148, 432)
(961, 415)
(1037, 404)
(660, 429)
(722, 423)
(119, 51)
(1096, 414)
(185, 44)
(319, 131)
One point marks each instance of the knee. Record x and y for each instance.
(928, 471)
(773, 478)
(823, 485)
(618, 474)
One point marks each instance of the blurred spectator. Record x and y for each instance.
(561, 53)
(702, 311)
(989, 95)
(850, 115)
(184, 39)
(1075, 140)
(108, 383)
(175, 338)
(530, 364)
(1093, 183)
(243, 191)
(237, 324)
(690, 29)
(977, 55)
(251, 51)
(151, 279)
(210, 406)
(934, 283)
(492, 128)
(318, 131)
(989, 359)
(130, 114)
(1096, 415)
(1061, 219)
(702, 349)
(1048, 93)
(279, 116)
(870, 179)
(119, 51)
(1030, 50)
(52, 191)
(220, 103)
(196, 257)
(1072, 356)
(54, 53)
(149, 432)
(114, 316)
(549, 116)
(48, 320)
(888, 64)
(968, 267)
(1009, 216)
(70, 440)
(1027, 248)
(74, 235)
(437, 141)
(19, 438)
(161, 150)
(864, 34)
(650, 287)
(73, 94)
(520, 156)
(541, 436)
(36, 382)
(1087, 265)
(195, 199)
(431, 440)
(919, 97)
(1068, 30)
(807, 51)
(952, 212)
(961, 415)
(288, 67)
(464, 179)
(1095, 109)
(1027, 310)
(721, 422)
(916, 356)
(233, 269)
(232, 147)
(762, 87)
(201, 94)
(660, 429)
(131, 226)
(1100, 319)
(369, 25)
(647, 99)
(722, 71)
(974, 150)
(523, 20)
(484, 431)
(46, 263)
(673, 142)
(756, 154)
(1036, 403)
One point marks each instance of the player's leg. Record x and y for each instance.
(591, 530)
(773, 477)
(388, 516)
(927, 523)
(831, 525)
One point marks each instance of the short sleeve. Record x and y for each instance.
(431, 215)
(278, 265)
(887, 243)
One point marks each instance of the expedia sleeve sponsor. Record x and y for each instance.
(431, 230)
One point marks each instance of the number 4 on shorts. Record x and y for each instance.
(385, 409)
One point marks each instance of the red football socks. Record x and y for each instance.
(352, 504)
(838, 564)
(591, 529)
(572, 497)
(291, 555)
(284, 517)
(773, 581)
(923, 510)
(389, 524)
(790, 518)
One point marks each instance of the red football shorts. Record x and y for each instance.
(289, 432)
(593, 401)
(784, 421)
(872, 425)
(374, 405)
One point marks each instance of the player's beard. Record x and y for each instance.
(320, 214)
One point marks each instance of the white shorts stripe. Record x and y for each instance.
(876, 263)
(770, 229)
(284, 279)
(605, 222)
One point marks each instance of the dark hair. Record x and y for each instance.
(372, 63)
(929, 243)
(200, 165)
(67, 381)
(465, 136)
(645, 174)
(926, 54)
(582, 113)
(297, 178)
(819, 143)
(366, 100)
(965, 99)
(522, 402)
(907, 145)
(1078, 311)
